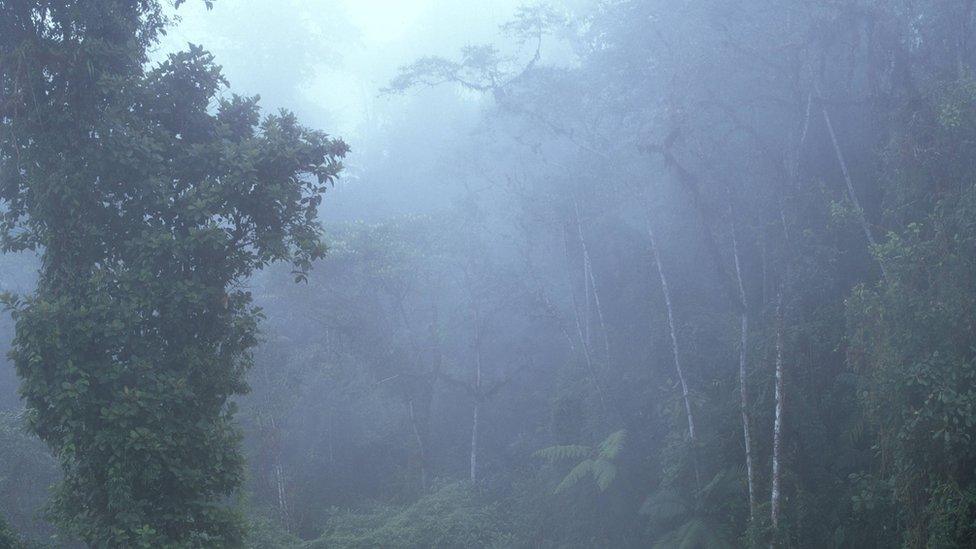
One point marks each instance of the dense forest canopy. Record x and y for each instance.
(578, 273)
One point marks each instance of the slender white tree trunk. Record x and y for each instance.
(743, 371)
(581, 335)
(474, 442)
(774, 504)
(590, 280)
(674, 334)
(850, 191)
(477, 397)
(422, 449)
(282, 494)
(277, 471)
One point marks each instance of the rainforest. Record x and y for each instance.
(315, 274)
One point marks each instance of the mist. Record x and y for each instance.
(487, 273)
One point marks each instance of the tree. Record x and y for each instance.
(149, 208)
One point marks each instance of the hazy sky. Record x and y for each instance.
(327, 59)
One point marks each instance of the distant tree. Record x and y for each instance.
(150, 201)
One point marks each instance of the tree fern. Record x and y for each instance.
(581, 470)
(612, 446)
(664, 506)
(603, 473)
(553, 454)
(597, 463)
(694, 534)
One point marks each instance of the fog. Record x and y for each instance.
(478, 273)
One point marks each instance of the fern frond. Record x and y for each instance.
(603, 473)
(664, 506)
(723, 485)
(582, 469)
(561, 453)
(613, 444)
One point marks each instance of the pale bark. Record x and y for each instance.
(674, 334)
(581, 335)
(477, 396)
(474, 442)
(422, 449)
(278, 473)
(743, 372)
(780, 396)
(850, 191)
(599, 308)
(282, 494)
(590, 281)
(588, 360)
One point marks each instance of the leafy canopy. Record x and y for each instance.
(150, 199)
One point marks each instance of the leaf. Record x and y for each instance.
(603, 473)
(562, 453)
(582, 469)
(613, 444)
(664, 505)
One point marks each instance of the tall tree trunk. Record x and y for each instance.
(584, 345)
(474, 441)
(278, 474)
(674, 334)
(774, 503)
(590, 280)
(281, 491)
(862, 217)
(430, 377)
(477, 396)
(675, 353)
(421, 446)
(743, 370)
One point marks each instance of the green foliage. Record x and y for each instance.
(263, 533)
(912, 338)
(27, 471)
(694, 534)
(611, 447)
(455, 515)
(553, 454)
(8, 538)
(694, 518)
(152, 195)
(148, 208)
(598, 463)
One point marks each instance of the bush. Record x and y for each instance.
(453, 516)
